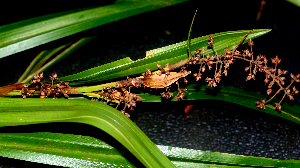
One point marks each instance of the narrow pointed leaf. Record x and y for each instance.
(61, 150)
(72, 48)
(39, 61)
(83, 151)
(295, 2)
(30, 33)
(184, 156)
(169, 54)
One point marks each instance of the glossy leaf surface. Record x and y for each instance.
(39, 65)
(169, 54)
(33, 32)
(14, 111)
(82, 151)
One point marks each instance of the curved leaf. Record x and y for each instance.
(30, 33)
(61, 150)
(15, 111)
(39, 61)
(295, 2)
(43, 67)
(83, 151)
(169, 54)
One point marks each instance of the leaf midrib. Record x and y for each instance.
(37, 149)
(56, 140)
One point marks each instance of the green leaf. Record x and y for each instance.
(85, 89)
(184, 156)
(37, 67)
(30, 33)
(14, 111)
(234, 95)
(61, 150)
(295, 2)
(83, 151)
(169, 54)
(39, 61)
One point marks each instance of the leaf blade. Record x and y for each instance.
(169, 54)
(38, 61)
(32, 111)
(77, 151)
(30, 33)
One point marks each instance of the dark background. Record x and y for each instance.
(212, 125)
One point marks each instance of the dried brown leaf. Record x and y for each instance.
(161, 81)
(4, 90)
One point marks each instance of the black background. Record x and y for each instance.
(212, 125)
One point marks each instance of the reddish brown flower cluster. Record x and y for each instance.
(220, 62)
(180, 94)
(130, 82)
(274, 75)
(122, 95)
(155, 80)
(259, 64)
(45, 90)
(167, 94)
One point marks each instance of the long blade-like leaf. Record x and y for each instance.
(30, 33)
(169, 54)
(39, 61)
(295, 2)
(82, 151)
(72, 48)
(61, 150)
(15, 112)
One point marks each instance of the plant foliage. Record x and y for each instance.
(82, 151)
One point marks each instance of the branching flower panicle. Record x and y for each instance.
(273, 75)
(220, 65)
(122, 93)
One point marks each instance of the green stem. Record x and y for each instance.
(189, 37)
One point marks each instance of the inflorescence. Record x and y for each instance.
(45, 90)
(164, 78)
(273, 75)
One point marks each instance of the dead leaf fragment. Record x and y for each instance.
(4, 90)
(72, 90)
(161, 81)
